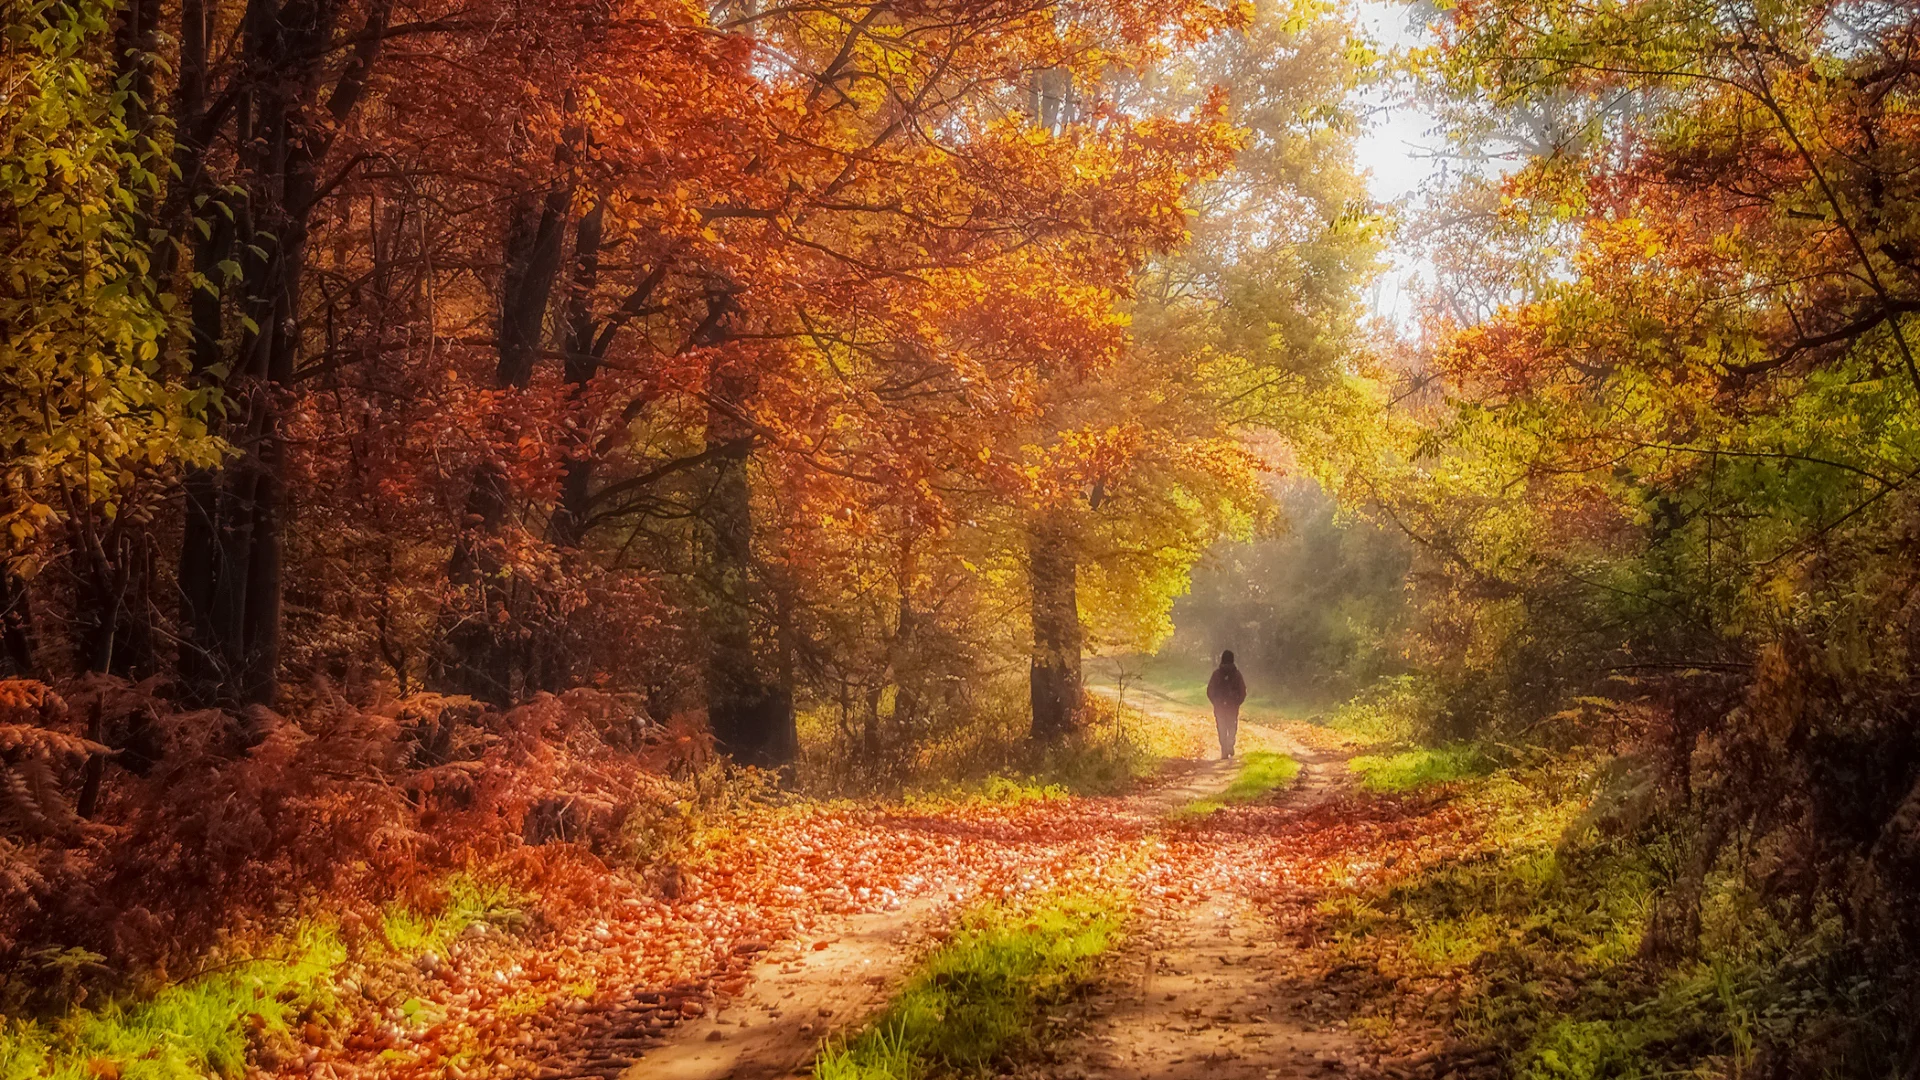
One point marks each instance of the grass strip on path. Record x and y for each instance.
(1260, 772)
(984, 994)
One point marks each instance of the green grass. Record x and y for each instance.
(984, 994)
(410, 931)
(187, 1031)
(206, 1026)
(1260, 772)
(1421, 767)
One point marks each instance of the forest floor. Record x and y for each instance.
(848, 967)
(1340, 902)
(1196, 922)
(1211, 979)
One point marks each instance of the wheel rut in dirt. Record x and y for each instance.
(798, 991)
(1197, 994)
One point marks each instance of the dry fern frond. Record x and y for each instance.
(31, 754)
(29, 698)
(31, 801)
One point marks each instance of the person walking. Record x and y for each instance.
(1227, 690)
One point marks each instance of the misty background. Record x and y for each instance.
(1312, 613)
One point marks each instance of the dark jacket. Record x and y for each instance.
(1226, 687)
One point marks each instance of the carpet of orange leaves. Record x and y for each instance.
(613, 961)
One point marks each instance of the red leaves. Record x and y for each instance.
(767, 877)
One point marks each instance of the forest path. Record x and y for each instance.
(844, 971)
(1207, 987)
(799, 990)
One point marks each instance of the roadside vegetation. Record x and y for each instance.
(267, 1000)
(989, 754)
(206, 1026)
(1555, 932)
(1420, 767)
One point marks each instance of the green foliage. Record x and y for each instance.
(1261, 772)
(983, 995)
(1659, 460)
(87, 407)
(1411, 770)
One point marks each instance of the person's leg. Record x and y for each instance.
(1223, 723)
(1230, 730)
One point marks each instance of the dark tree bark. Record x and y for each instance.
(1054, 677)
(136, 39)
(536, 237)
(474, 658)
(113, 607)
(483, 653)
(231, 556)
(16, 627)
(576, 479)
(749, 708)
(204, 656)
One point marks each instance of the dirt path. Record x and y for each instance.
(799, 991)
(838, 975)
(1199, 990)
(1198, 994)
(1206, 989)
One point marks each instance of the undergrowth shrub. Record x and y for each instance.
(1542, 935)
(365, 803)
(1420, 767)
(1394, 711)
(984, 744)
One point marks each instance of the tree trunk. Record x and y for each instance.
(479, 650)
(113, 623)
(1054, 677)
(533, 250)
(751, 713)
(203, 661)
(16, 627)
(231, 556)
(473, 655)
(576, 479)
